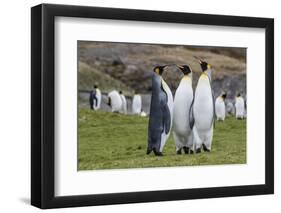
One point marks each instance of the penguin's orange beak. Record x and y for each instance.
(179, 66)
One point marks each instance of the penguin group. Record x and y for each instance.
(191, 113)
(116, 101)
(238, 108)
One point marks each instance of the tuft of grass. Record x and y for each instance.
(115, 141)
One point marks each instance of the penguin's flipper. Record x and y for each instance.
(109, 101)
(214, 111)
(191, 116)
(95, 100)
(234, 106)
(166, 118)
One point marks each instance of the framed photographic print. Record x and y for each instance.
(139, 106)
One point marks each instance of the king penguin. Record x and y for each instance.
(136, 104)
(182, 113)
(115, 101)
(97, 102)
(124, 102)
(203, 110)
(220, 107)
(239, 107)
(161, 113)
(230, 108)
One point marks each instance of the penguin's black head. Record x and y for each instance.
(159, 69)
(120, 92)
(95, 86)
(185, 69)
(238, 95)
(223, 95)
(204, 65)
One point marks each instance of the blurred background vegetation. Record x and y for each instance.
(128, 66)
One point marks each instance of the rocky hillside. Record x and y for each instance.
(128, 67)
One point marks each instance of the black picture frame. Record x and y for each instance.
(43, 102)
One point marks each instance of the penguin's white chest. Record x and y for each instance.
(124, 103)
(220, 108)
(98, 95)
(182, 104)
(230, 108)
(136, 106)
(169, 94)
(239, 107)
(203, 103)
(116, 101)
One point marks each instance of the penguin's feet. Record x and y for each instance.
(157, 153)
(186, 150)
(179, 152)
(148, 151)
(205, 148)
(198, 150)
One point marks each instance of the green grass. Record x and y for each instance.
(111, 141)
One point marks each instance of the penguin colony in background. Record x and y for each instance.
(116, 101)
(191, 113)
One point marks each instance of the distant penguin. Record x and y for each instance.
(124, 102)
(92, 98)
(115, 101)
(97, 101)
(245, 111)
(142, 114)
(230, 108)
(220, 107)
(203, 110)
(136, 104)
(182, 113)
(239, 107)
(161, 113)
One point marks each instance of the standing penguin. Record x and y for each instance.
(239, 106)
(115, 101)
(136, 104)
(203, 110)
(92, 97)
(161, 111)
(230, 108)
(220, 107)
(124, 102)
(182, 114)
(97, 101)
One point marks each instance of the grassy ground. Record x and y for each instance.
(111, 141)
